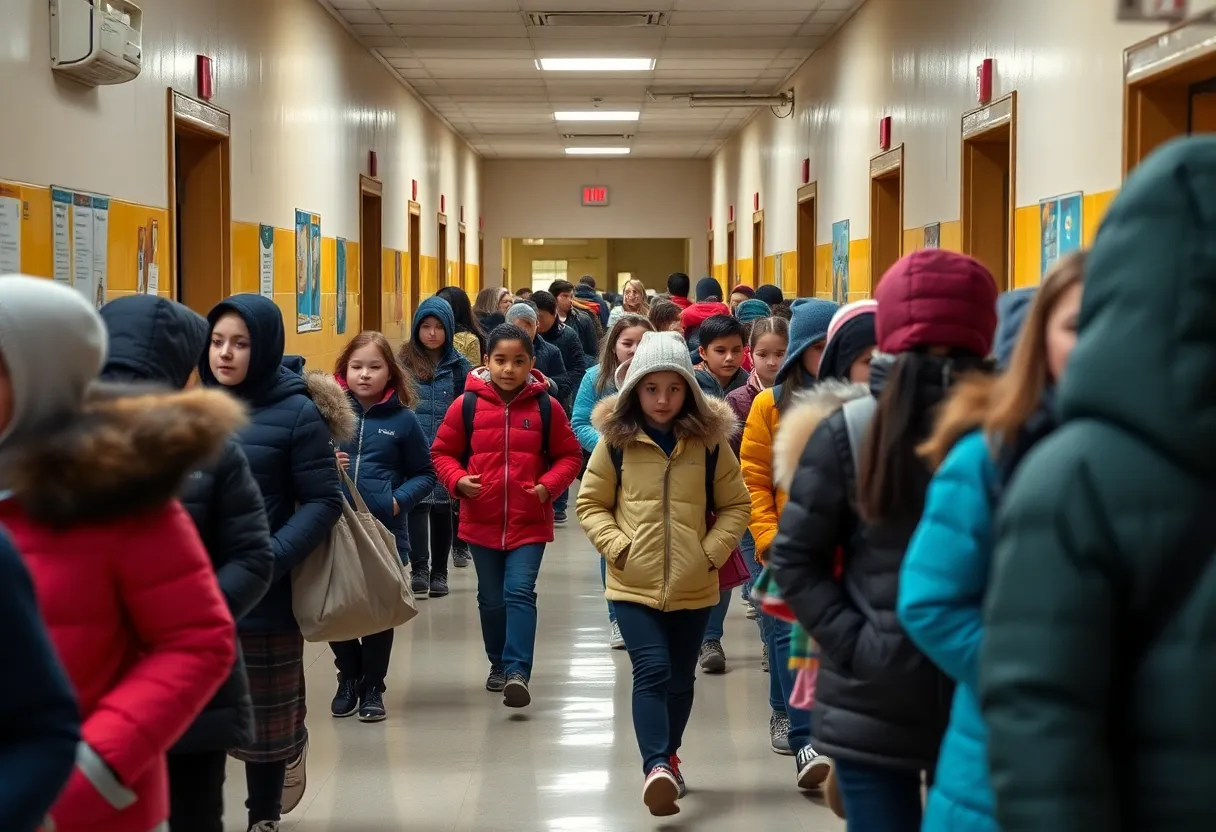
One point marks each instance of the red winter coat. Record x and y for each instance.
(507, 453)
(127, 590)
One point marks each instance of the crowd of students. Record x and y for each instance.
(977, 557)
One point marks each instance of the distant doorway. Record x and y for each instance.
(481, 264)
(462, 260)
(989, 164)
(886, 212)
(732, 267)
(808, 196)
(371, 259)
(444, 277)
(415, 277)
(758, 275)
(709, 253)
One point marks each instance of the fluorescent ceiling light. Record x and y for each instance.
(597, 116)
(597, 151)
(595, 64)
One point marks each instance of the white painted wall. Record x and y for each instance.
(915, 61)
(648, 198)
(307, 104)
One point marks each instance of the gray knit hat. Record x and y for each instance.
(522, 312)
(658, 352)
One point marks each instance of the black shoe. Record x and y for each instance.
(439, 585)
(372, 707)
(346, 700)
(497, 680)
(420, 583)
(713, 657)
(516, 693)
(559, 518)
(813, 768)
(460, 558)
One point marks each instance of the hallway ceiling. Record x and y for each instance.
(474, 61)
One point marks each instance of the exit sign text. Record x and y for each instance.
(595, 195)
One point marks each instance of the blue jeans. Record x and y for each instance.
(748, 547)
(561, 501)
(664, 648)
(506, 601)
(879, 797)
(781, 679)
(717, 616)
(604, 582)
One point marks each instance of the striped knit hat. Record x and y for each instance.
(850, 333)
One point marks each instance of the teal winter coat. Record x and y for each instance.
(586, 400)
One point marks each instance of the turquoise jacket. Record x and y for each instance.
(584, 403)
(941, 594)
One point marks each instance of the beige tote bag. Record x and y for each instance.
(354, 584)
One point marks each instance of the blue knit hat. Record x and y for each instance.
(809, 324)
(1011, 310)
(752, 310)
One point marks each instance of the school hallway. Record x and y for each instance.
(452, 757)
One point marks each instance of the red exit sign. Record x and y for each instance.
(595, 195)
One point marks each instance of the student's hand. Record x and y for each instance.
(396, 508)
(469, 486)
(541, 493)
(343, 460)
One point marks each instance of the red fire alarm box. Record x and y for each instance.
(806, 171)
(884, 133)
(414, 190)
(373, 164)
(983, 81)
(206, 78)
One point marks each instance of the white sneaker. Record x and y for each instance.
(294, 783)
(266, 826)
(614, 640)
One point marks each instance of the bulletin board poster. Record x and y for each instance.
(840, 261)
(80, 228)
(10, 230)
(341, 289)
(1060, 219)
(266, 261)
(933, 235)
(308, 272)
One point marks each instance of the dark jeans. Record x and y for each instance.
(457, 544)
(604, 583)
(664, 648)
(264, 782)
(879, 797)
(561, 501)
(364, 658)
(430, 527)
(717, 617)
(506, 601)
(781, 679)
(196, 791)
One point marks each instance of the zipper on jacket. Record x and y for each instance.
(359, 447)
(506, 469)
(666, 533)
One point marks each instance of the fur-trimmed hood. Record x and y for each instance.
(333, 403)
(713, 426)
(796, 424)
(126, 452)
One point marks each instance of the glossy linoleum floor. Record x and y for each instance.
(451, 757)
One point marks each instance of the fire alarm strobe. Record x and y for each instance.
(96, 42)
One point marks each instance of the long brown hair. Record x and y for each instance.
(398, 381)
(1000, 405)
(608, 362)
(641, 288)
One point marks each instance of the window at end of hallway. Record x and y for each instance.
(544, 272)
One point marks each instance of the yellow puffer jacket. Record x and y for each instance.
(756, 459)
(651, 530)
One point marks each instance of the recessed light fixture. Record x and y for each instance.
(595, 64)
(596, 115)
(597, 151)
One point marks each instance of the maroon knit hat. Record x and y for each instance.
(743, 289)
(935, 297)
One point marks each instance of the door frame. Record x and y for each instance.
(370, 186)
(709, 244)
(414, 295)
(881, 166)
(462, 260)
(481, 260)
(807, 193)
(757, 259)
(975, 124)
(212, 121)
(441, 248)
(732, 256)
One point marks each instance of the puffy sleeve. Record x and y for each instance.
(756, 459)
(315, 486)
(242, 533)
(596, 505)
(732, 508)
(416, 468)
(584, 403)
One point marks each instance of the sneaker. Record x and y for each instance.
(420, 583)
(516, 694)
(614, 639)
(346, 700)
(764, 657)
(439, 586)
(681, 786)
(713, 657)
(661, 791)
(779, 734)
(372, 707)
(752, 614)
(295, 781)
(813, 768)
(559, 518)
(460, 557)
(832, 795)
(497, 680)
(265, 826)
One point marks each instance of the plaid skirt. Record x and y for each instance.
(275, 664)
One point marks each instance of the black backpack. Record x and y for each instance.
(711, 467)
(468, 407)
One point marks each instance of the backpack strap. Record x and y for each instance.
(468, 409)
(711, 472)
(546, 420)
(858, 413)
(617, 455)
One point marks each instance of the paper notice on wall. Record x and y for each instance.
(61, 233)
(153, 242)
(101, 250)
(10, 230)
(266, 260)
(82, 245)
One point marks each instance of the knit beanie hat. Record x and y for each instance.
(752, 310)
(708, 287)
(657, 352)
(809, 324)
(743, 289)
(521, 312)
(770, 294)
(1011, 310)
(850, 334)
(939, 298)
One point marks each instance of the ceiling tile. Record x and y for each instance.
(447, 5)
(731, 32)
(482, 18)
(413, 32)
(741, 18)
(374, 30)
(361, 16)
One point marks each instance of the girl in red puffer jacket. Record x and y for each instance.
(507, 449)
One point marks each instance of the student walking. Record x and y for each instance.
(438, 371)
(506, 448)
(599, 382)
(389, 461)
(293, 422)
(645, 505)
(123, 581)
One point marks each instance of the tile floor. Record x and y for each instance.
(451, 758)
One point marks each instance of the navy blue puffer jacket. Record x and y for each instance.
(445, 386)
(294, 422)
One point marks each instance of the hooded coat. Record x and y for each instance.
(445, 386)
(155, 340)
(1090, 523)
(294, 423)
(565, 338)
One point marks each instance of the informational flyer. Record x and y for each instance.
(10, 230)
(61, 233)
(933, 235)
(341, 286)
(153, 252)
(266, 260)
(840, 261)
(308, 272)
(1060, 220)
(141, 260)
(101, 250)
(82, 244)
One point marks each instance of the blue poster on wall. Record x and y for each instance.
(341, 286)
(1060, 227)
(308, 272)
(840, 261)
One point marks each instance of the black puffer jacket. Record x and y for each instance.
(155, 340)
(878, 699)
